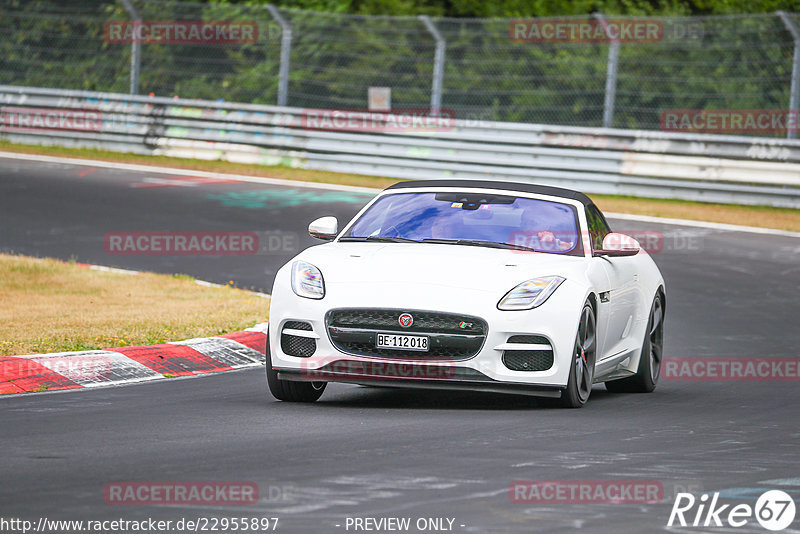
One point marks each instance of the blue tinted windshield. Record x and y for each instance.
(540, 225)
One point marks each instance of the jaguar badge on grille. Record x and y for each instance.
(405, 320)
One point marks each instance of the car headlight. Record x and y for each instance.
(307, 281)
(530, 294)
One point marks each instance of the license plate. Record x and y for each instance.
(402, 342)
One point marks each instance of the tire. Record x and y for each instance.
(287, 390)
(649, 369)
(581, 370)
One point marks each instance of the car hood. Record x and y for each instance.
(424, 266)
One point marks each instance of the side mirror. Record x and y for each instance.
(325, 228)
(618, 245)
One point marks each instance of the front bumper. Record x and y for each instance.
(414, 375)
(556, 321)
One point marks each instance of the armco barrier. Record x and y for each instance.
(714, 168)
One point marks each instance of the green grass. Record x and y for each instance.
(55, 306)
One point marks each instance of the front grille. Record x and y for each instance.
(528, 360)
(451, 336)
(387, 320)
(301, 347)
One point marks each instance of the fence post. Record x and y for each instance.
(136, 46)
(794, 92)
(438, 64)
(611, 75)
(286, 49)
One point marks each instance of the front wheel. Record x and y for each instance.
(287, 390)
(581, 374)
(649, 370)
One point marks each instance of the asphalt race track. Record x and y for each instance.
(368, 452)
(65, 211)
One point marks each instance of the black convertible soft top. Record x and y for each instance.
(491, 184)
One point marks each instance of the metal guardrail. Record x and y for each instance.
(741, 170)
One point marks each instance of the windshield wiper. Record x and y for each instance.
(467, 242)
(379, 239)
(477, 243)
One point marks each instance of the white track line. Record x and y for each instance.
(203, 283)
(701, 224)
(337, 187)
(106, 269)
(185, 172)
(212, 284)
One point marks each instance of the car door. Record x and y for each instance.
(617, 300)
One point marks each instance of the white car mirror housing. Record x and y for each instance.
(325, 228)
(617, 245)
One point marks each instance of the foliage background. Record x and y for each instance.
(735, 54)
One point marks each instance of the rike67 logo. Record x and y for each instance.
(774, 510)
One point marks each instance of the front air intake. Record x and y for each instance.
(297, 345)
(527, 358)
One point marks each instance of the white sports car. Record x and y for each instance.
(483, 286)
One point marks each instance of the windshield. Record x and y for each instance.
(471, 219)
